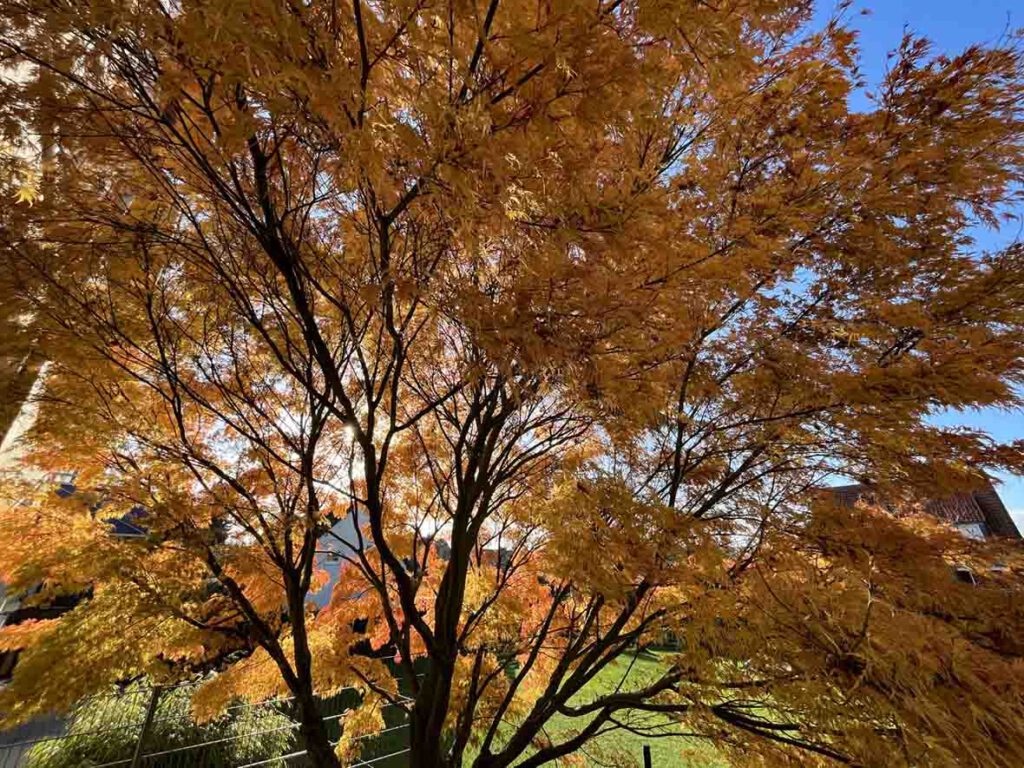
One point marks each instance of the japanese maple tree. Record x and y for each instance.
(549, 321)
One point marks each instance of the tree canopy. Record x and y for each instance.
(567, 310)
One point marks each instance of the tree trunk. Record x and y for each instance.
(427, 720)
(425, 747)
(311, 723)
(314, 733)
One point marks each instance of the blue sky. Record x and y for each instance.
(951, 25)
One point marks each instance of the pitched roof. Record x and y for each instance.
(958, 508)
(979, 506)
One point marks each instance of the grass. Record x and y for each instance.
(669, 749)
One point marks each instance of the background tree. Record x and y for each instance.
(107, 729)
(595, 294)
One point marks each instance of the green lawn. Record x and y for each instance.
(667, 749)
(621, 747)
(617, 747)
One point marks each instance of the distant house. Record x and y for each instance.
(978, 514)
(332, 549)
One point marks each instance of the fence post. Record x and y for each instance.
(150, 711)
(647, 756)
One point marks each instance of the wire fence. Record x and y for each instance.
(143, 727)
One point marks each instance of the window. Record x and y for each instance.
(963, 574)
(7, 661)
(976, 531)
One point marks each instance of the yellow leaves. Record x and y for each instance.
(25, 634)
(520, 204)
(19, 173)
(358, 724)
(47, 537)
(28, 190)
(260, 578)
(253, 679)
(856, 618)
(50, 675)
(258, 677)
(694, 277)
(636, 539)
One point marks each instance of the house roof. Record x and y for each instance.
(128, 525)
(958, 508)
(979, 506)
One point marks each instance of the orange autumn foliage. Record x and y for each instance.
(542, 323)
